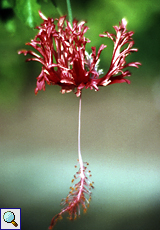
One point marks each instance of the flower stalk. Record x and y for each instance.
(69, 11)
(79, 137)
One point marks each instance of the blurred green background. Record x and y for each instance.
(120, 125)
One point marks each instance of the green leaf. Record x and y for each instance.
(6, 4)
(27, 11)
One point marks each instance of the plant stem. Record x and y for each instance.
(79, 138)
(69, 11)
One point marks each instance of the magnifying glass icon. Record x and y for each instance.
(9, 217)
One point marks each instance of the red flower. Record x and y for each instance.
(65, 61)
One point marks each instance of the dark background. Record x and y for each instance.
(120, 126)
